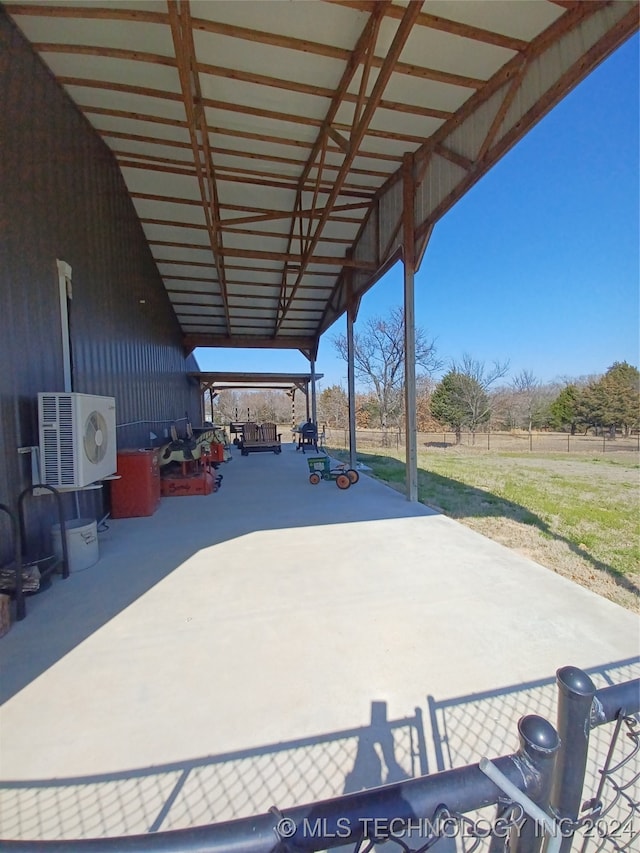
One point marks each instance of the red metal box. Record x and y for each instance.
(175, 485)
(217, 452)
(137, 492)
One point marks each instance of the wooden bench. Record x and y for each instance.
(259, 437)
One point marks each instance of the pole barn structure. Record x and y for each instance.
(238, 174)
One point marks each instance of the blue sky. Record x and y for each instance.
(540, 262)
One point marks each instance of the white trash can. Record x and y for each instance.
(82, 543)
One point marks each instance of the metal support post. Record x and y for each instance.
(411, 428)
(351, 386)
(314, 410)
(539, 744)
(575, 698)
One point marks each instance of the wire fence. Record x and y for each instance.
(515, 442)
(612, 815)
(524, 802)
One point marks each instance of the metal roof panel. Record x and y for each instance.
(280, 129)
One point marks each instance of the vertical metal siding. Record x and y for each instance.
(62, 197)
(440, 179)
(390, 208)
(468, 138)
(544, 72)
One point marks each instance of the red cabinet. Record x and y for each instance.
(137, 492)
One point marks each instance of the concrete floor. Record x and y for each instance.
(278, 642)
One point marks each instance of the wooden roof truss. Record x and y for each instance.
(262, 143)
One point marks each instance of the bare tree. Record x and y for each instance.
(333, 406)
(473, 386)
(242, 405)
(504, 408)
(379, 360)
(530, 398)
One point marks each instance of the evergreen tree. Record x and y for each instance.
(619, 397)
(563, 410)
(459, 401)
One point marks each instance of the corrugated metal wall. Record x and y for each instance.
(62, 197)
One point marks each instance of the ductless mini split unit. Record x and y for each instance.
(77, 438)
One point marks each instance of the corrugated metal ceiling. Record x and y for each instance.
(262, 142)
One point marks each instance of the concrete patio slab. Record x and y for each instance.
(249, 647)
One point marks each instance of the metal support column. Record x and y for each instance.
(203, 404)
(575, 698)
(408, 257)
(293, 409)
(351, 389)
(314, 411)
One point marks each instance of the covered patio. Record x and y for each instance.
(240, 175)
(277, 643)
(282, 157)
(212, 383)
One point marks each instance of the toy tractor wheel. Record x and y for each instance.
(342, 481)
(314, 479)
(353, 475)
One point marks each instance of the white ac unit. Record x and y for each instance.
(77, 438)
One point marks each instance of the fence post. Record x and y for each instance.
(575, 698)
(568, 440)
(539, 744)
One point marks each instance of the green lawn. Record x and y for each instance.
(577, 515)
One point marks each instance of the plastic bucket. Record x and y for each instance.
(82, 543)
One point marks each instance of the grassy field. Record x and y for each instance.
(579, 516)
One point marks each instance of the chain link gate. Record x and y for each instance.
(531, 801)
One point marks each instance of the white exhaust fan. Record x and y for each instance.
(77, 438)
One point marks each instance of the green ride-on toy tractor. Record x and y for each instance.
(320, 469)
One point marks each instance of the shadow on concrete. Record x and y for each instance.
(480, 503)
(217, 788)
(248, 782)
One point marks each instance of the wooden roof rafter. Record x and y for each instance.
(284, 257)
(246, 176)
(256, 214)
(331, 51)
(358, 132)
(247, 136)
(249, 232)
(256, 112)
(284, 85)
(135, 155)
(436, 22)
(180, 21)
(364, 46)
(281, 183)
(510, 78)
(299, 342)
